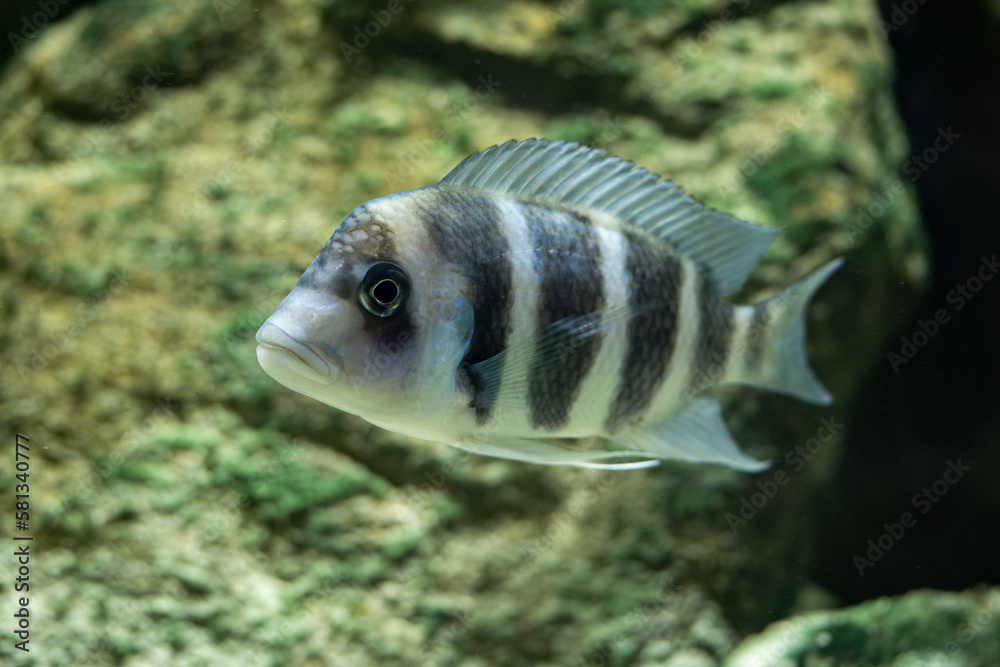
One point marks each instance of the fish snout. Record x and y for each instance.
(280, 352)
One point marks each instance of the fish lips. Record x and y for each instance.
(278, 353)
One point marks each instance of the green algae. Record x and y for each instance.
(193, 511)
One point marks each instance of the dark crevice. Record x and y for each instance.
(566, 85)
(121, 107)
(939, 405)
(560, 86)
(709, 23)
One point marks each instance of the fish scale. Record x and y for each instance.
(543, 290)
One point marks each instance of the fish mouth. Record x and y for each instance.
(278, 350)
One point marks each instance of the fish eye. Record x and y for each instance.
(384, 289)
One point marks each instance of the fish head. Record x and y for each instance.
(362, 329)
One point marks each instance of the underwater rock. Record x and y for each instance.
(918, 628)
(193, 510)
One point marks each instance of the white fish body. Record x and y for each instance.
(542, 291)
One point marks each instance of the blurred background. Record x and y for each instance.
(940, 406)
(168, 170)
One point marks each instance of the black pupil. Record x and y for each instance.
(385, 291)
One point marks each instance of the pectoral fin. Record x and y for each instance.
(545, 348)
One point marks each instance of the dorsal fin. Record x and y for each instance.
(578, 176)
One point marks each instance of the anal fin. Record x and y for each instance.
(537, 451)
(696, 434)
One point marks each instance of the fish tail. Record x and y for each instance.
(774, 357)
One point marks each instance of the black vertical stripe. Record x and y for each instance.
(715, 331)
(467, 230)
(755, 337)
(571, 286)
(655, 277)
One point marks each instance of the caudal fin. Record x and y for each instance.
(775, 354)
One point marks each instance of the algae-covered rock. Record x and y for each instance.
(169, 169)
(920, 628)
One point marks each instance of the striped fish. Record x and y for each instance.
(540, 292)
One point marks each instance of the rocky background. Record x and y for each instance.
(168, 169)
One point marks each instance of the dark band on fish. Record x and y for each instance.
(466, 229)
(655, 277)
(570, 297)
(397, 334)
(715, 331)
(754, 353)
